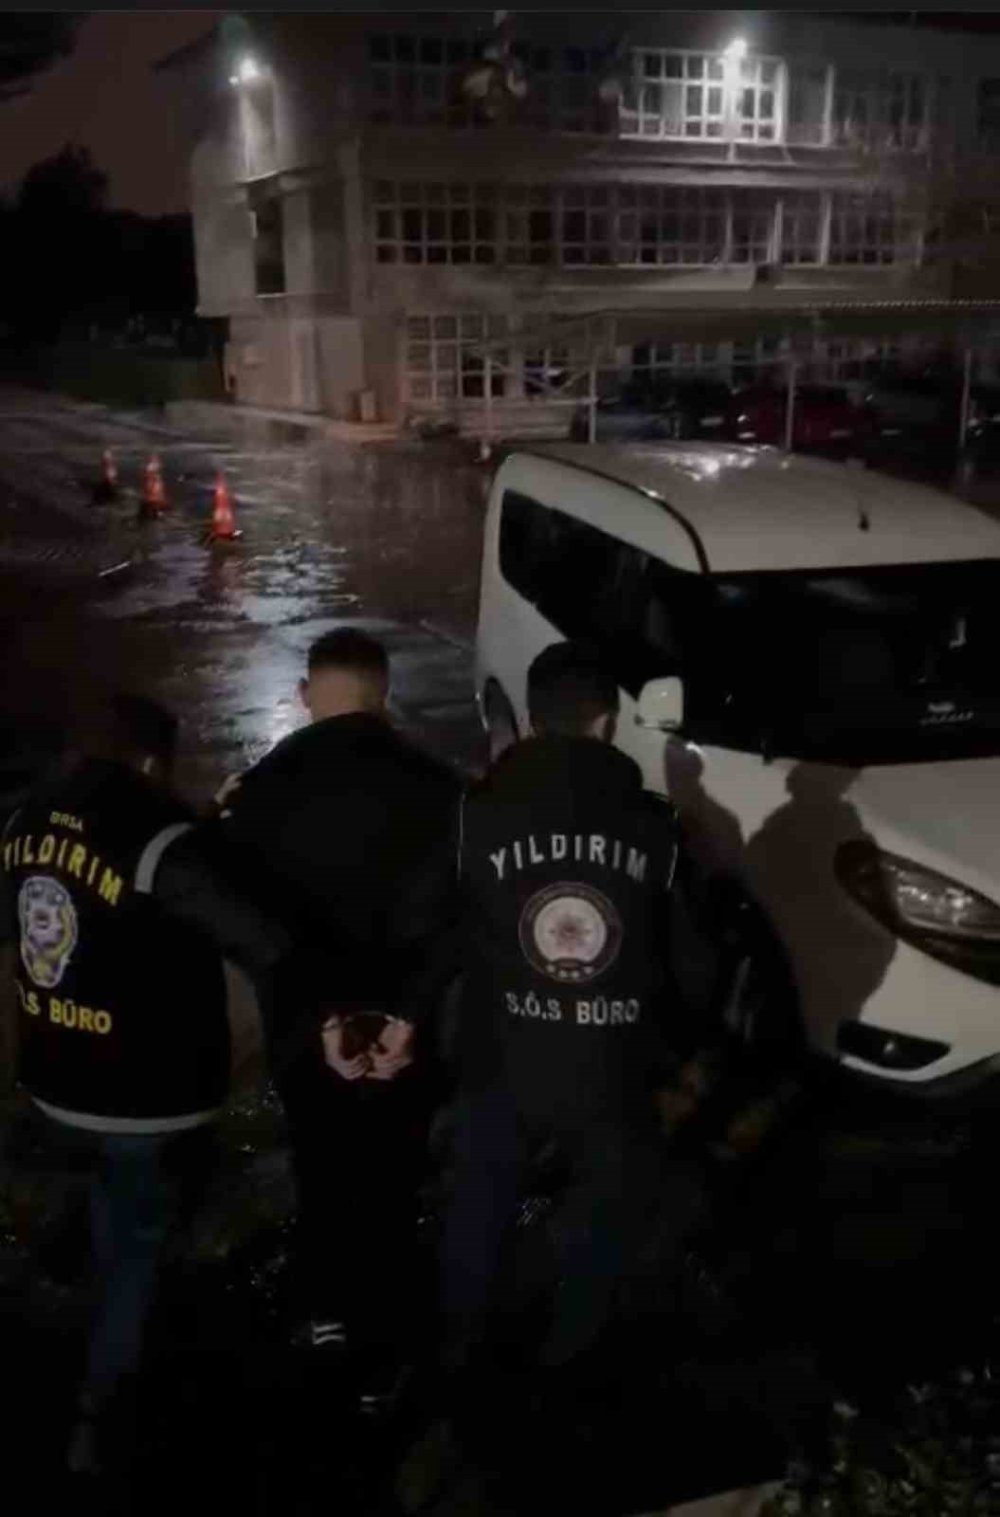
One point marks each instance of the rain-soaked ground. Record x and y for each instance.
(92, 598)
(857, 1260)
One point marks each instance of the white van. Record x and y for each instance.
(809, 663)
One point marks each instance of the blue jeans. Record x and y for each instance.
(622, 1182)
(134, 1194)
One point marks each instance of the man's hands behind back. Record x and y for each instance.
(367, 1046)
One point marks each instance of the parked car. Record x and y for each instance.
(977, 474)
(646, 413)
(918, 419)
(825, 420)
(806, 662)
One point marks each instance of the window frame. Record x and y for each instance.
(267, 206)
(421, 224)
(863, 108)
(451, 371)
(630, 656)
(398, 89)
(868, 212)
(709, 87)
(796, 205)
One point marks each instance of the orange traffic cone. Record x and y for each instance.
(106, 488)
(222, 528)
(154, 496)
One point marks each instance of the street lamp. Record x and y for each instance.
(247, 72)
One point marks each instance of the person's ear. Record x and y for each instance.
(148, 764)
(608, 727)
(304, 693)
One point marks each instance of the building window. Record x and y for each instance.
(268, 244)
(444, 358)
(673, 226)
(880, 109)
(418, 79)
(809, 90)
(869, 229)
(753, 361)
(846, 361)
(588, 220)
(702, 96)
(736, 363)
(548, 370)
(662, 224)
(529, 224)
(988, 115)
(435, 223)
(676, 95)
(588, 226)
(653, 358)
(801, 228)
(562, 89)
(757, 99)
(751, 228)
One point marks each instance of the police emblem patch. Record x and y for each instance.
(570, 932)
(49, 929)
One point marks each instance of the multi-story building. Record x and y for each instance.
(402, 208)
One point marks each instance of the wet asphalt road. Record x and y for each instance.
(866, 1251)
(90, 598)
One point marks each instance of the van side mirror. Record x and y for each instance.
(660, 707)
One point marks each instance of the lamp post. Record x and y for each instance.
(248, 71)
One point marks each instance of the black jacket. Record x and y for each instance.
(120, 922)
(332, 826)
(561, 879)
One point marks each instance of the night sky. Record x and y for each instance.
(105, 97)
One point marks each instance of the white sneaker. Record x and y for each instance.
(327, 1335)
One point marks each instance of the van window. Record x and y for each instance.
(864, 666)
(881, 665)
(588, 584)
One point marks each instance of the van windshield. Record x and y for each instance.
(866, 666)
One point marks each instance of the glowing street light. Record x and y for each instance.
(247, 72)
(737, 50)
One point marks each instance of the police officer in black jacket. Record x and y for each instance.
(120, 921)
(334, 822)
(568, 1020)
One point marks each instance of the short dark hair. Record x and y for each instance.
(137, 728)
(348, 648)
(569, 688)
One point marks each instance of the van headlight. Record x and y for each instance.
(940, 916)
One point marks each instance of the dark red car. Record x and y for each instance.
(826, 420)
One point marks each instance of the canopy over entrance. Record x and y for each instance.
(958, 320)
(964, 324)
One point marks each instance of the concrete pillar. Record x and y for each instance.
(790, 406)
(963, 423)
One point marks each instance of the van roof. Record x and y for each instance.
(759, 508)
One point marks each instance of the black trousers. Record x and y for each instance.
(626, 1200)
(358, 1156)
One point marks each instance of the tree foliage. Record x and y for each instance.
(64, 186)
(73, 262)
(30, 42)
